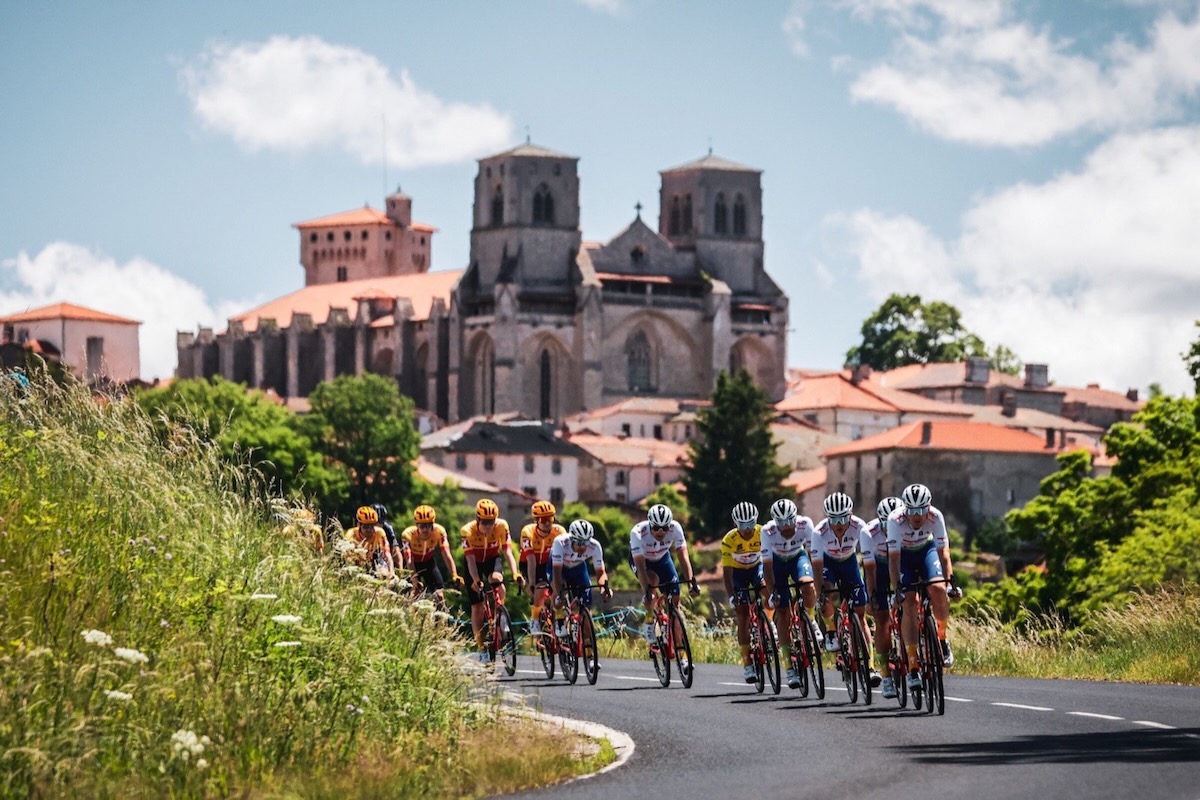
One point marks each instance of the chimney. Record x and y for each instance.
(1131, 395)
(1008, 402)
(1037, 376)
(926, 432)
(979, 369)
(1050, 438)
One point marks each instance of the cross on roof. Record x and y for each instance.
(638, 208)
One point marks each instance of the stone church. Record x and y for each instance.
(540, 322)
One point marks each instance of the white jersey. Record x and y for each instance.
(903, 536)
(774, 545)
(877, 549)
(825, 543)
(642, 541)
(561, 552)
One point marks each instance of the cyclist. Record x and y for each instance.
(537, 538)
(390, 532)
(650, 544)
(485, 539)
(840, 538)
(875, 564)
(424, 539)
(919, 549)
(741, 568)
(370, 543)
(785, 539)
(303, 526)
(569, 556)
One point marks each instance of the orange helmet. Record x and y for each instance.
(544, 508)
(487, 509)
(367, 516)
(424, 515)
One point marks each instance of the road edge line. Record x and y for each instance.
(622, 743)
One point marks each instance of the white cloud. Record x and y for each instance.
(301, 94)
(794, 27)
(138, 289)
(1094, 272)
(971, 72)
(614, 7)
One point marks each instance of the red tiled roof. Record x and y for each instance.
(1095, 397)
(832, 390)
(947, 435)
(67, 311)
(630, 450)
(804, 480)
(935, 376)
(359, 216)
(421, 289)
(634, 405)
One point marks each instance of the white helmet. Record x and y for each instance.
(581, 531)
(917, 498)
(659, 515)
(784, 512)
(745, 514)
(838, 504)
(886, 506)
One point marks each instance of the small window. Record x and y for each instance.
(460, 461)
(657, 479)
(842, 462)
(364, 235)
(739, 216)
(346, 236)
(879, 461)
(530, 490)
(422, 240)
(1011, 496)
(387, 235)
(625, 429)
(341, 274)
(720, 215)
(687, 213)
(556, 466)
(312, 237)
(489, 463)
(687, 431)
(529, 463)
(673, 219)
(329, 236)
(637, 255)
(557, 497)
(658, 431)
(558, 169)
(95, 356)
(620, 477)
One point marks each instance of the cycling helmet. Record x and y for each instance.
(659, 515)
(424, 515)
(886, 506)
(544, 508)
(838, 504)
(784, 512)
(487, 509)
(367, 516)
(745, 514)
(917, 498)
(581, 532)
(381, 510)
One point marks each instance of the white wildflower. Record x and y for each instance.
(261, 596)
(202, 764)
(381, 612)
(98, 638)
(403, 584)
(288, 644)
(343, 546)
(424, 605)
(287, 619)
(121, 697)
(443, 616)
(185, 744)
(131, 655)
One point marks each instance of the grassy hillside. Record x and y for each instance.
(160, 635)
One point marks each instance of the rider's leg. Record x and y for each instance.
(477, 625)
(743, 632)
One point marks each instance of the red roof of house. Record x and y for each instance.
(630, 451)
(67, 311)
(832, 390)
(1095, 397)
(804, 480)
(359, 216)
(948, 435)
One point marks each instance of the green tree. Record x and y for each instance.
(1192, 359)
(733, 459)
(363, 425)
(1005, 360)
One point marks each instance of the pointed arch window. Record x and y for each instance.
(720, 215)
(637, 354)
(544, 404)
(497, 208)
(543, 206)
(673, 220)
(739, 216)
(687, 213)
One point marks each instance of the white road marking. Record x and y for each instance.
(633, 678)
(1150, 724)
(1094, 716)
(961, 699)
(1027, 708)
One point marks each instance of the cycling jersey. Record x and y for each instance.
(369, 537)
(826, 544)
(877, 547)
(775, 546)
(738, 552)
(642, 541)
(423, 545)
(905, 537)
(536, 546)
(485, 545)
(562, 552)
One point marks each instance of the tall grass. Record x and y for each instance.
(161, 636)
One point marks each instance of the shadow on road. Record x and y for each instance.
(1127, 747)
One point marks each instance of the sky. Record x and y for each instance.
(1035, 164)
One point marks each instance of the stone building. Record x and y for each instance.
(540, 322)
(94, 345)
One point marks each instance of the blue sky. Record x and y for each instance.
(1035, 163)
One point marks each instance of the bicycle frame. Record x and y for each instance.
(929, 651)
(806, 651)
(764, 650)
(853, 655)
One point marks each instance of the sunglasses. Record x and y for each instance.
(659, 527)
(840, 519)
(916, 512)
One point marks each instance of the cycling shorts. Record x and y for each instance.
(541, 572)
(791, 570)
(882, 589)
(484, 567)
(920, 564)
(847, 573)
(579, 579)
(664, 570)
(429, 575)
(743, 579)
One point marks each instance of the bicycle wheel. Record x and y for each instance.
(546, 643)
(936, 697)
(861, 662)
(757, 626)
(567, 657)
(771, 658)
(658, 653)
(898, 662)
(844, 657)
(591, 653)
(816, 670)
(799, 660)
(683, 648)
(506, 642)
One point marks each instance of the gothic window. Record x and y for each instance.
(739, 216)
(544, 405)
(543, 206)
(637, 353)
(497, 208)
(673, 223)
(720, 216)
(687, 213)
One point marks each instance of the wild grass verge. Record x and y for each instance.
(161, 636)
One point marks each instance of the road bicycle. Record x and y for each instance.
(670, 641)
(898, 659)
(578, 642)
(764, 650)
(853, 657)
(547, 643)
(806, 649)
(499, 642)
(929, 652)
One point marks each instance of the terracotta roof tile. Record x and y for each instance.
(630, 450)
(831, 390)
(948, 435)
(359, 216)
(804, 480)
(67, 311)
(1095, 397)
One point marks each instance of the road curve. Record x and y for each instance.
(999, 738)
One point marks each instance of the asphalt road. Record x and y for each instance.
(999, 738)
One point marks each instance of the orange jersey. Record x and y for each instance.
(423, 546)
(537, 546)
(369, 537)
(485, 545)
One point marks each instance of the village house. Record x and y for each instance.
(96, 346)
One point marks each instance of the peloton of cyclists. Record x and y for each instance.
(650, 544)
(785, 539)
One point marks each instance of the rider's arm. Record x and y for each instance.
(510, 558)
(685, 559)
(947, 567)
(639, 561)
(448, 557)
(556, 579)
(768, 563)
(472, 568)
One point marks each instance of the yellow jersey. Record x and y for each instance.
(739, 552)
(368, 537)
(423, 545)
(485, 545)
(535, 545)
